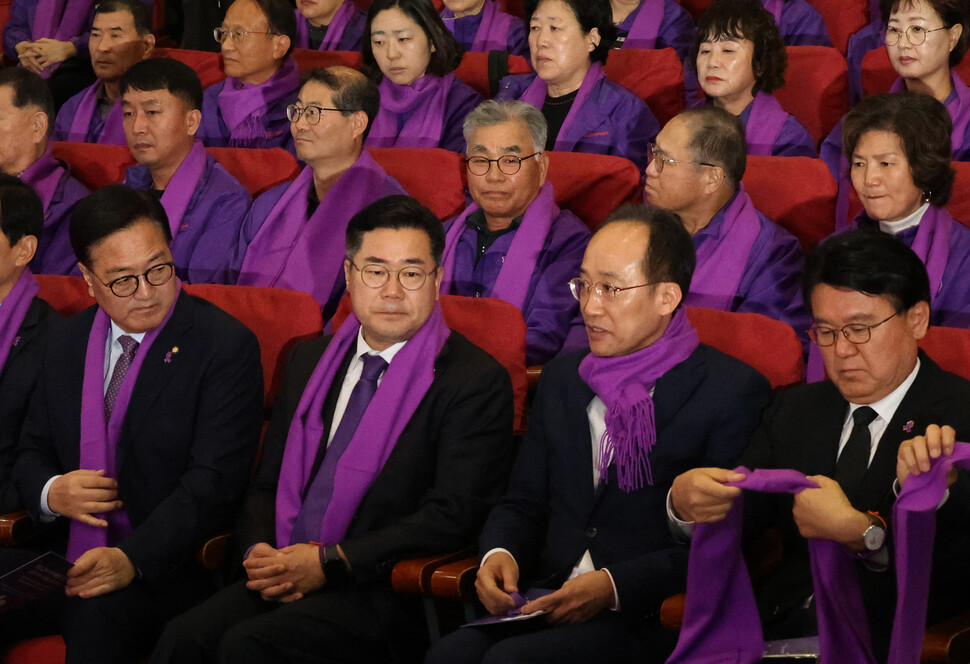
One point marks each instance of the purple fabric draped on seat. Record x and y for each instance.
(12, 313)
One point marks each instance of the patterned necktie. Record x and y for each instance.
(854, 460)
(129, 348)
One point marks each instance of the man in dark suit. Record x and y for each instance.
(349, 483)
(584, 513)
(164, 393)
(24, 321)
(869, 297)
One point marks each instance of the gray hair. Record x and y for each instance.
(492, 112)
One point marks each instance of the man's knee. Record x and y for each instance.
(185, 640)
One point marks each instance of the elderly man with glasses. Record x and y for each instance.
(513, 243)
(869, 297)
(139, 437)
(293, 235)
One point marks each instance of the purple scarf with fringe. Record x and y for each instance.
(646, 26)
(12, 313)
(243, 105)
(512, 283)
(331, 41)
(493, 31)
(44, 175)
(182, 186)
(291, 251)
(402, 389)
(99, 439)
(764, 124)
(569, 134)
(113, 131)
(624, 384)
(424, 101)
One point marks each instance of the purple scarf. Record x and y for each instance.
(44, 175)
(424, 100)
(646, 26)
(335, 30)
(775, 7)
(402, 389)
(764, 124)
(243, 106)
(291, 251)
(721, 259)
(182, 186)
(570, 133)
(493, 31)
(12, 313)
(99, 439)
(512, 283)
(61, 20)
(624, 384)
(113, 131)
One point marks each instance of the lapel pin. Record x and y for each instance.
(908, 427)
(169, 354)
(16, 340)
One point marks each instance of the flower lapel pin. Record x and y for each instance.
(908, 427)
(169, 354)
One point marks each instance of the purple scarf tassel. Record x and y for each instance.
(12, 313)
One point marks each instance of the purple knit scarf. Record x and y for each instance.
(291, 251)
(493, 31)
(646, 26)
(182, 186)
(44, 175)
(775, 7)
(335, 30)
(113, 131)
(570, 133)
(12, 313)
(764, 124)
(99, 439)
(624, 384)
(402, 389)
(515, 275)
(424, 100)
(243, 106)
(60, 20)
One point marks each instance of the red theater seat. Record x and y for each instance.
(655, 76)
(208, 66)
(593, 185)
(257, 169)
(843, 18)
(431, 175)
(473, 71)
(307, 59)
(93, 164)
(816, 89)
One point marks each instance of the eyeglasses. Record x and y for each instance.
(656, 155)
(580, 289)
(157, 275)
(916, 34)
(375, 276)
(238, 34)
(856, 334)
(312, 114)
(507, 163)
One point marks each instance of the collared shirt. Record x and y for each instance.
(885, 409)
(485, 238)
(104, 106)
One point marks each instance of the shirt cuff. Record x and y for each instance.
(497, 549)
(680, 529)
(616, 595)
(47, 515)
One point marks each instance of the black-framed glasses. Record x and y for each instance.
(312, 114)
(237, 34)
(507, 163)
(854, 333)
(157, 275)
(657, 156)
(580, 289)
(916, 34)
(411, 277)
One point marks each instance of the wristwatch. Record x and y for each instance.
(334, 568)
(875, 535)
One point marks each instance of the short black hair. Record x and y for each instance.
(670, 251)
(139, 11)
(447, 51)
(110, 209)
(21, 211)
(280, 19)
(397, 213)
(871, 262)
(352, 91)
(590, 14)
(165, 74)
(29, 89)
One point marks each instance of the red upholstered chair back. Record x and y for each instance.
(93, 164)
(207, 65)
(593, 185)
(695, 7)
(307, 59)
(43, 650)
(655, 76)
(473, 70)
(68, 295)
(878, 74)
(798, 193)
(843, 18)
(257, 169)
(950, 348)
(958, 206)
(513, 7)
(816, 89)
(5, 12)
(766, 344)
(431, 175)
(493, 325)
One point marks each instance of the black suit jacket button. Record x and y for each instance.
(591, 532)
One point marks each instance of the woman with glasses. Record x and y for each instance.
(740, 60)
(329, 25)
(413, 57)
(481, 26)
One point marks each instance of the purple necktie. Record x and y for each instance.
(307, 525)
(129, 347)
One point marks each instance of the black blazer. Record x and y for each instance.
(188, 437)
(705, 410)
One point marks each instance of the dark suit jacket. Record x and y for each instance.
(188, 437)
(705, 410)
(18, 376)
(801, 430)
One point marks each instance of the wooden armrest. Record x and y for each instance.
(413, 577)
(532, 376)
(456, 580)
(212, 554)
(672, 612)
(947, 642)
(15, 528)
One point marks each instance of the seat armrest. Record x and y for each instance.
(456, 580)
(672, 612)
(413, 577)
(212, 554)
(15, 528)
(947, 642)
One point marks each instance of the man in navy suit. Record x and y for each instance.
(140, 435)
(584, 514)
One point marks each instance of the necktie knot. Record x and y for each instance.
(374, 366)
(863, 416)
(128, 344)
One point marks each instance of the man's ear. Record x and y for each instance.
(24, 250)
(669, 296)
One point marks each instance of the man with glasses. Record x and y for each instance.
(869, 298)
(513, 243)
(610, 428)
(745, 262)
(390, 439)
(205, 205)
(248, 109)
(139, 438)
(293, 235)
